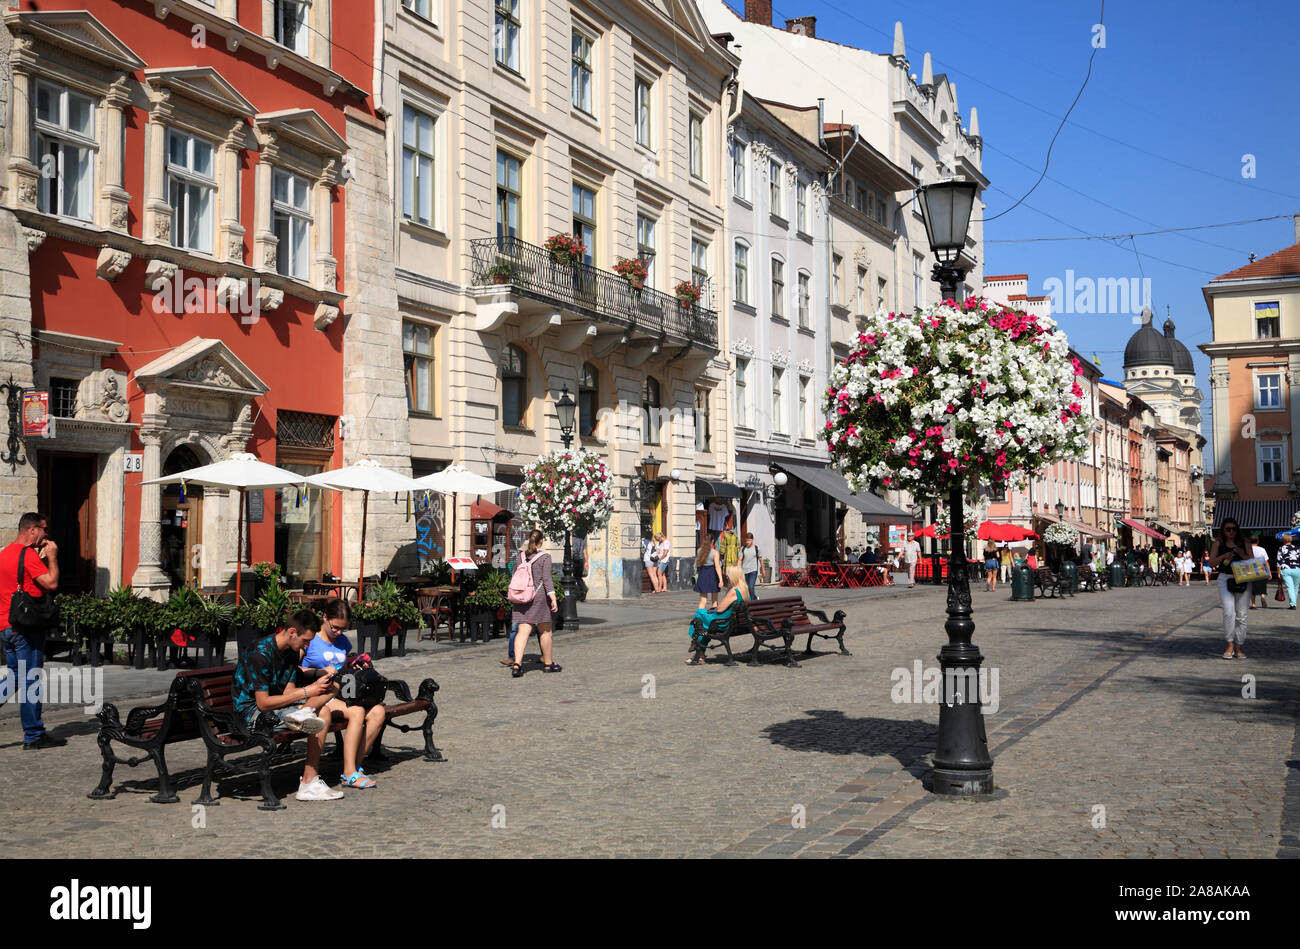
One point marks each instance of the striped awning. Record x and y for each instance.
(1256, 515)
(1141, 528)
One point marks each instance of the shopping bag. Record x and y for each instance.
(1245, 571)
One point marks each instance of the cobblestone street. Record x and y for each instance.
(1119, 732)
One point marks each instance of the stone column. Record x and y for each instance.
(23, 174)
(1223, 426)
(113, 196)
(264, 240)
(149, 577)
(157, 212)
(230, 233)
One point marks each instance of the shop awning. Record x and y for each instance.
(483, 510)
(1256, 515)
(1141, 528)
(715, 489)
(832, 483)
(1168, 528)
(1087, 530)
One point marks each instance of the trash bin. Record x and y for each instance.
(1069, 578)
(1116, 575)
(1134, 574)
(1022, 584)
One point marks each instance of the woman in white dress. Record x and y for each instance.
(650, 558)
(664, 549)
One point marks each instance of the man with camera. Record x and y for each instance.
(29, 575)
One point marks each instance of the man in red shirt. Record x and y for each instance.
(25, 645)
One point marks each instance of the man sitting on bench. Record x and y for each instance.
(326, 654)
(263, 682)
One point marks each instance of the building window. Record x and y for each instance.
(65, 147)
(514, 386)
(290, 222)
(862, 200)
(509, 194)
(645, 245)
(777, 206)
(861, 291)
(805, 296)
(641, 102)
(697, 146)
(918, 283)
(739, 168)
(778, 287)
(417, 354)
(190, 186)
(584, 220)
(699, 262)
(801, 207)
(580, 72)
(650, 404)
(63, 397)
(742, 273)
(837, 268)
(918, 172)
(702, 434)
(419, 7)
(742, 392)
(1270, 463)
(778, 399)
(1268, 390)
(506, 35)
(291, 25)
(997, 492)
(417, 165)
(588, 399)
(1267, 321)
(805, 407)
(882, 208)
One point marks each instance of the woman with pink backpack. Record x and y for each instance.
(532, 600)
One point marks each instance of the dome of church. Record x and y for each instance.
(1182, 359)
(1147, 347)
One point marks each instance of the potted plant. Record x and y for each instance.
(634, 270)
(440, 573)
(267, 574)
(190, 620)
(565, 249)
(250, 622)
(503, 271)
(133, 620)
(84, 618)
(483, 606)
(386, 611)
(688, 294)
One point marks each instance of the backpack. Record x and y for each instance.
(521, 590)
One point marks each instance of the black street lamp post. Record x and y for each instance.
(564, 409)
(962, 763)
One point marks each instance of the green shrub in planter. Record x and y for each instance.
(384, 606)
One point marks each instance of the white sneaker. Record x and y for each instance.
(317, 790)
(304, 720)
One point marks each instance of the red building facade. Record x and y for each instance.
(175, 206)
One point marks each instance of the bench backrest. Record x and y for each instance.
(780, 608)
(184, 723)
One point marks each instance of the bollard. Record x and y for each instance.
(1134, 574)
(1069, 578)
(1022, 584)
(1116, 575)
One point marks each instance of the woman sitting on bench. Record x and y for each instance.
(737, 589)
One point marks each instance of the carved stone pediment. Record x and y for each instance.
(201, 364)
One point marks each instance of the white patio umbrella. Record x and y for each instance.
(457, 479)
(242, 471)
(365, 476)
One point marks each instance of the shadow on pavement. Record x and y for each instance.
(832, 732)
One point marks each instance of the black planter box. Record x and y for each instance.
(481, 626)
(374, 630)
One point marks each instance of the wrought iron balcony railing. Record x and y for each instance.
(601, 294)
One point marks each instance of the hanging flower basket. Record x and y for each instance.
(565, 249)
(567, 491)
(953, 396)
(633, 270)
(1061, 533)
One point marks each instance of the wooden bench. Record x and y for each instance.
(1090, 579)
(772, 618)
(199, 705)
(1046, 580)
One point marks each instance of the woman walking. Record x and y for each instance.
(650, 558)
(1236, 603)
(709, 582)
(1259, 588)
(1288, 565)
(538, 611)
(737, 591)
(1206, 569)
(990, 567)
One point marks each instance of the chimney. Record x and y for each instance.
(802, 25)
(1296, 221)
(758, 11)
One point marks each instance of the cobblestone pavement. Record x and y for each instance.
(1119, 733)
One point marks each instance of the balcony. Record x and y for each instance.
(594, 302)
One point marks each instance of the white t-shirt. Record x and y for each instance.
(911, 551)
(1259, 552)
(717, 517)
(664, 550)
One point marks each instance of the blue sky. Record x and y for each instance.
(1180, 93)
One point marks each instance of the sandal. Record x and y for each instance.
(1228, 654)
(516, 670)
(696, 661)
(359, 779)
(551, 667)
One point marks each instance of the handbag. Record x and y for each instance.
(26, 609)
(1280, 595)
(360, 683)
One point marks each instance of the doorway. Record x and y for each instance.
(66, 494)
(181, 520)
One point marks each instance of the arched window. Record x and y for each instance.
(514, 385)
(588, 399)
(650, 404)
